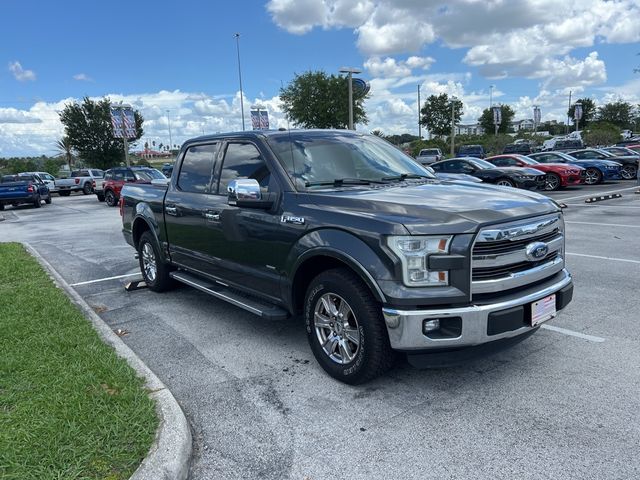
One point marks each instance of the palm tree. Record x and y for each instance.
(64, 146)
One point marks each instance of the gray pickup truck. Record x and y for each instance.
(376, 255)
(80, 181)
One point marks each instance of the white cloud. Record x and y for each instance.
(82, 77)
(20, 73)
(12, 115)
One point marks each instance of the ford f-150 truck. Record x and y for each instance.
(23, 188)
(377, 255)
(79, 181)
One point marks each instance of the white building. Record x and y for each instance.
(470, 129)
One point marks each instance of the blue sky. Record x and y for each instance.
(181, 57)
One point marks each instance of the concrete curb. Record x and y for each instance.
(169, 456)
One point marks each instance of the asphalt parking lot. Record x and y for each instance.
(563, 404)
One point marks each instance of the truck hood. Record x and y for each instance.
(439, 207)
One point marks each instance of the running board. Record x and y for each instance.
(250, 304)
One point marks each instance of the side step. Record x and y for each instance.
(250, 304)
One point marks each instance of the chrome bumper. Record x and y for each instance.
(405, 326)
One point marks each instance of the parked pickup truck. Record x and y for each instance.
(23, 188)
(378, 256)
(79, 181)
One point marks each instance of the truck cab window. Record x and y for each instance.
(243, 160)
(196, 169)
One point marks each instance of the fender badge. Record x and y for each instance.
(292, 219)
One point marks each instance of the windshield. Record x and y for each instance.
(527, 160)
(429, 152)
(471, 149)
(314, 158)
(481, 164)
(148, 174)
(565, 156)
(603, 153)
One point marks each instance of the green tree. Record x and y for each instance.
(436, 113)
(88, 126)
(65, 148)
(601, 133)
(617, 113)
(52, 166)
(318, 100)
(378, 133)
(486, 120)
(588, 112)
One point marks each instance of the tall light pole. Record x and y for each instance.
(237, 35)
(419, 123)
(350, 71)
(170, 140)
(453, 126)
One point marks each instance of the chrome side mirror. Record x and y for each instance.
(242, 191)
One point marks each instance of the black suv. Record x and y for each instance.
(522, 148)
(476, 151)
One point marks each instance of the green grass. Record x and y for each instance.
(69, 407)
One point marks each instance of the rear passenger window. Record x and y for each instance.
(196, 169)
(243, 160)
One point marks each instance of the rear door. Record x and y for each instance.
(185, 207)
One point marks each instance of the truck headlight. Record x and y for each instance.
(413, 252)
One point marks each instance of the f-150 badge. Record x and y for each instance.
(292, 219)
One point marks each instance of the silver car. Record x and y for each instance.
(428, 156)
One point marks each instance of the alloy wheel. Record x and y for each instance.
(149, 262)
(336, 328)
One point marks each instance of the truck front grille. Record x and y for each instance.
(516, 254)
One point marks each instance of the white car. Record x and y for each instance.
(47, 178)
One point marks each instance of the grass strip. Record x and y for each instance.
(69, 406)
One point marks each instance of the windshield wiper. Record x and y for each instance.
(338, 182)
(405, 176)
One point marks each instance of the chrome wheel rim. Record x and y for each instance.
(552, 182)
(504, 183)
(336, 328)
(149, 262)
(628, 172)
(591, 177)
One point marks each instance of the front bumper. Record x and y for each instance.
(481, 323)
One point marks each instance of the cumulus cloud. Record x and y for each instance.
(82, 77)
(20, 73)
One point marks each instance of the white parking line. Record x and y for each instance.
(104, 279)
(604, 258)
(592, 205)
(603, 224)
(571, 333)
(594, 194)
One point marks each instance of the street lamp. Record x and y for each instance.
(237, 36)
(169, 122)
(350, 71)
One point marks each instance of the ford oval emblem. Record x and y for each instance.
(536, 251)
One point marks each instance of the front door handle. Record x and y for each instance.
(171, 211)
(212, 216)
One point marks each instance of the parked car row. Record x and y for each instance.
(109, 187)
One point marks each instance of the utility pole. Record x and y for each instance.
(350, 71)
(170, 140)
(566, 128)
(419, 119)
(237, 36)
(453, 127)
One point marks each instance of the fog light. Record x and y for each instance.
(430, 325)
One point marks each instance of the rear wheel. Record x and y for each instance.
(629, 172)
(37, 202)
(154, 270)
(87, 189)
(505, 182)
(593, 176)
(48, 199)
(345, 327)
(552, 182)
(1, 206)
(110, 198)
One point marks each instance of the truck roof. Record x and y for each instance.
(274, 133)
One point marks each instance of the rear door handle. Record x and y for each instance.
(171, 210)
(212, 216)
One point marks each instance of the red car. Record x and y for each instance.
(558, 175)
(116, 178)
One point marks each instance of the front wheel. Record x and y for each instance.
(505, 182)
(552, 182)
(629, 172)
(593, 176)
(345, 327)
(110, 198)
(154, 270)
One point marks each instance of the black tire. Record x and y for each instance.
(48, 199)
(162, 281)
(37, 202)
(100, 197)
(64, 193)
(593, 176)
(629, 172)
(552, 182)
(505, 182)
(1, 206)
(87, 189)
(110, 198)
(374, 355)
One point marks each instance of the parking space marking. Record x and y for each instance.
(105, 279)
(626, 260)
(602, 224)
(592, 205)
(596, 194)
(571, 333)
